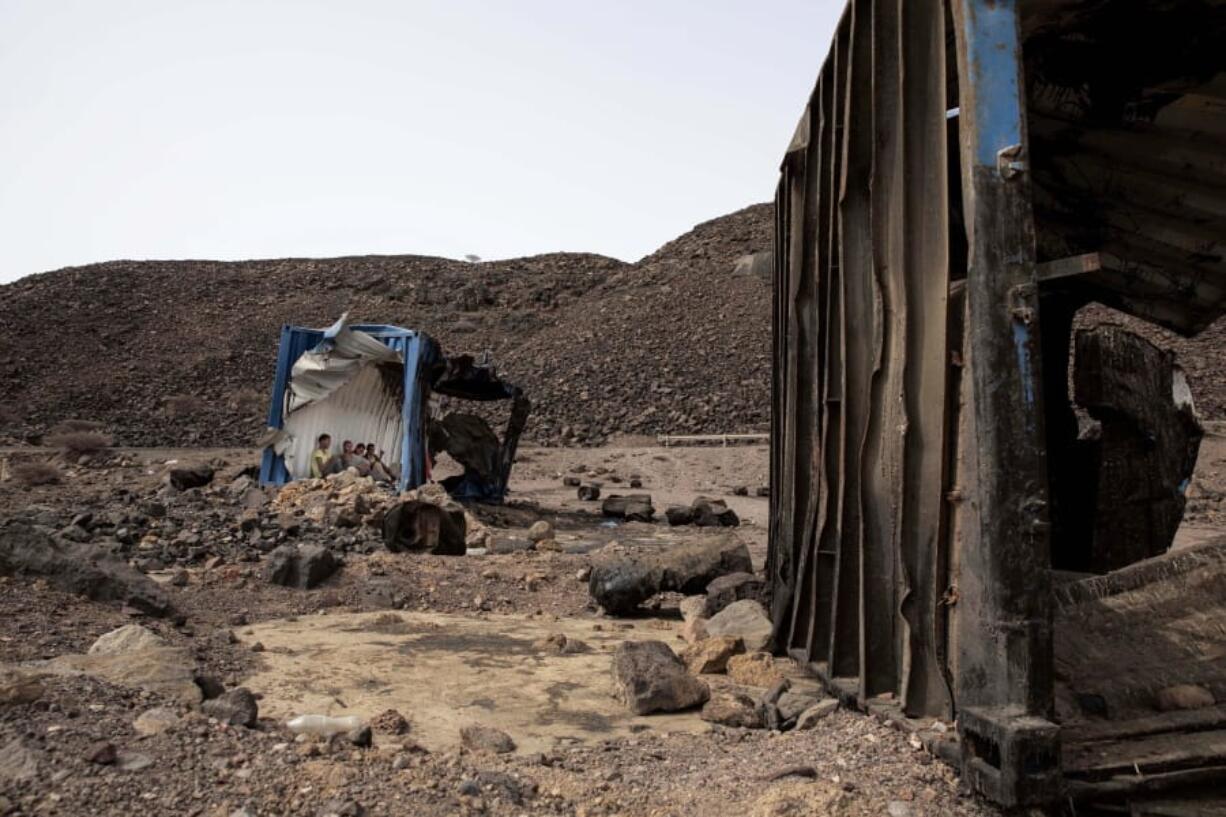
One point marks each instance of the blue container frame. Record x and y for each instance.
(419, 351)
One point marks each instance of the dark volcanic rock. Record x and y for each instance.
(733, 587)
(632, 507)
(622, 583)
(301, 566)
(237, 707)
(78, 568)
(194, 476)
(679, 515)
(651, 678)
(713, 513)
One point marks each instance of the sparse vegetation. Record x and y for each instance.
(36, 473)
(183, 405)
(78, 443)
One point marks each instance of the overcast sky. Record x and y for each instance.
(268, 128)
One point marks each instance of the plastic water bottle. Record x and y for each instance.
(324, 725)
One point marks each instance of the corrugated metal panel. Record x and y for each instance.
(418, 351)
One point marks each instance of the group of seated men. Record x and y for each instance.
(363, 457)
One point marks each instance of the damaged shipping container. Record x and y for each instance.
(966, 176)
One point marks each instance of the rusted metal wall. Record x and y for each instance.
(917, 228)
(908, 533)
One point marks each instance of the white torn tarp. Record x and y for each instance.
(334, 362)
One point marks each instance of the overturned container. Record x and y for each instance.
(373, 383)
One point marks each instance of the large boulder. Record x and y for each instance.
(428, 521)
(301, 566)
(746, 620)
(731, 588)
(622, 583)
(651, 678)
(82, 569)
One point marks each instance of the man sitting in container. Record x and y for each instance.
(323, 463)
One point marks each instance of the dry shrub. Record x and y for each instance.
(36, 473)
(183, 405)
(77, 443)
(73, 427)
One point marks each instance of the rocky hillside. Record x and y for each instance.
(183, 352)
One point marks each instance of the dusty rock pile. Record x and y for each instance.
(183, 352)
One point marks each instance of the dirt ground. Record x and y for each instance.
(444, 641)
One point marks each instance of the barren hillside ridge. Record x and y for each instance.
(183, 352)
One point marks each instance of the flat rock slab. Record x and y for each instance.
(446, 672)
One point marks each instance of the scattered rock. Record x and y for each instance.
(816, 713)
(621, 584)
(694, 630)
(237, 707)
(102, 753)
(632, 507)
(301, 566)
(710, 655)
(362, 737)
(391, 722)
(540, 531)
(486, 739)
(792, 704)
(755, 669)
(651, 678)
(17, 687)
(78, 568)
(18, 762)
(679, 515)
(155, 721)
(129, 638)
(713, 513)
(188, 477)
(731, 588)
(745, 619)
(732, 708)
(210, 687)
(691, 607)
(571, 482)
(561, 644)
(1183, 696)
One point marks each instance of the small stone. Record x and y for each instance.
(470, 788)
(361, 737)
(486, 739)
(180, 578)
(257, 646)
(155, 721)
(102, 753)
(540, 531)
(19, 688)
(816, 713)
(561, 644)
(746, 619)
(740, 490)
(1183, 696)
(588, 493)
(694, 630)
(571, 482)
(731, 708)
(711, 655)
(583, 574)
(342, 808)
(127, 639)
(237, 707)
(391, 722)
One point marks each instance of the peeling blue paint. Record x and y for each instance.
(1021, 344)
(993, 51)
